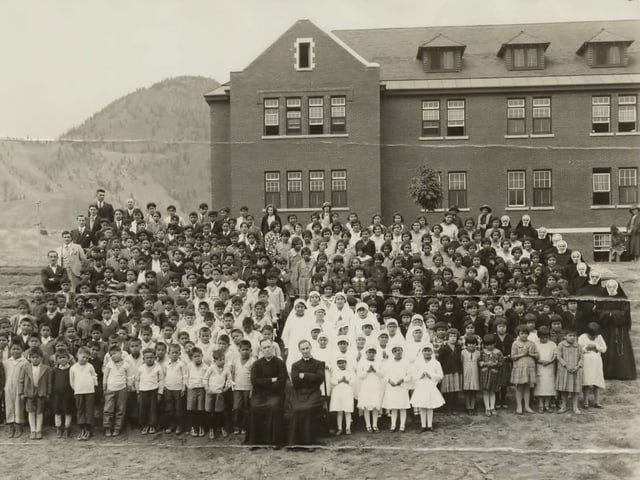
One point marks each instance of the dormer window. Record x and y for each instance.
(606, 49)
(304, 56)
(441, 54)
(523, 52)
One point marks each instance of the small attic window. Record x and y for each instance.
(441, 54)
(441, 59)
(525, 58)
(607, 55)
(304, 55)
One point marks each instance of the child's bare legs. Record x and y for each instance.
(563, 402)
(39, 418)
(526, 394)
(374, 414)
(472, 401)
(347, 423)
(575, 397)
(394, 418)
(423, 417)
(492, 401)
(486, 400)
(339, 417)
(32, 422)
(519, 395)
(585, 396)
(403, 419)
(596, 397)
(367, 419)
(429, 417)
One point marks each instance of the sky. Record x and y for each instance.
(63, 60)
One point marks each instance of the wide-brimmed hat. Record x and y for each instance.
(635, 207)
(487, 207)
(454, 208)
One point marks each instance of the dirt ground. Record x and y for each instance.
(599, 444)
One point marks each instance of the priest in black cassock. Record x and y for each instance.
(266, 415)
(307, 375)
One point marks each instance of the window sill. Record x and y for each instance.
(516, 136)
(442, 210)
(430, 138)
(604, 134)
(627, 134)
(462, 137)
(324, 135)
(625, 206)
(517, 209)
(306, 209)
(602, 207)
(543, 208)
(542, 135)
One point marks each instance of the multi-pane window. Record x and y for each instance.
(316, 188)
(628, 186)
(294, 116)
(272, 189)
(601, 247)
(600, 114)
(542, 188)
(294, 189)
(607, 55)
(271, 116)
(627, 113)
(431, 118)
(541, 116)
(316, 115)
(601, 181)
(339, 188)
(516, 193)
(457, 189)
(339, 114)
(455, 118)
(525, 57)
(515, 116)
(442, 59)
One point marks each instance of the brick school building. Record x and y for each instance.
(537, 119)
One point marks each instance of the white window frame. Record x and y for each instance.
(516, 115)
(294, 111)
(454, 107)
(294, 186)
(271, 115)
(338, 114)
(601, 112)
(431, 113)
(457, 182)
(542, 180)
(541, 111)
(316, 185)
(316, 115)
(627, 107)
(272, 186)
(339, 184)
(517, 182)
(312, 55)
(627, 180)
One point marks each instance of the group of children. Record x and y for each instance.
(161, 329)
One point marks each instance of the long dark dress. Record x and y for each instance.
(306, 401)
(266, 415)
(614, 316)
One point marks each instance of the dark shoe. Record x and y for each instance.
(429, 429)
(66, 433)
(18, 431)
(178, 431)
(12, 431)
(598, 405)
(58, 432)
(424, 429)
(32, 436)
(107, 432)
(38, 435)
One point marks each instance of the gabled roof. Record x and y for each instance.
(604, 36)
(440, 41)
(394, 48)
(522, 38)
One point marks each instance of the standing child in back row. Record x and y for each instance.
(83, 379)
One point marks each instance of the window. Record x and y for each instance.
(600, 114)
(339, 188)
(271, 116)
(441, 59)
(515, 116)
(525, 57)
(272, 189)
(294, 189)
(607, 55)
(431, 118)
(339, 114)
(601, 186)
(316, 115)
(458, 189)
(455, 118)
(628, 186)
(304, 54)
(542, 188)
(627, 113)
(516, 193)
(541, 116)
(294, 116)
(316, 188)
(601, 247)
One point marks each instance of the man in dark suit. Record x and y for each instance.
(94, 222)
(119, 224)
(53, 275)
(128, 210)
(82, 235)
(105, 210)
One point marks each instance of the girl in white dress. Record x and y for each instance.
(13, 401)
(369, 373)
(396, 396)
(427, 373)
(545, 388)
(593, 346)
(342, 379)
